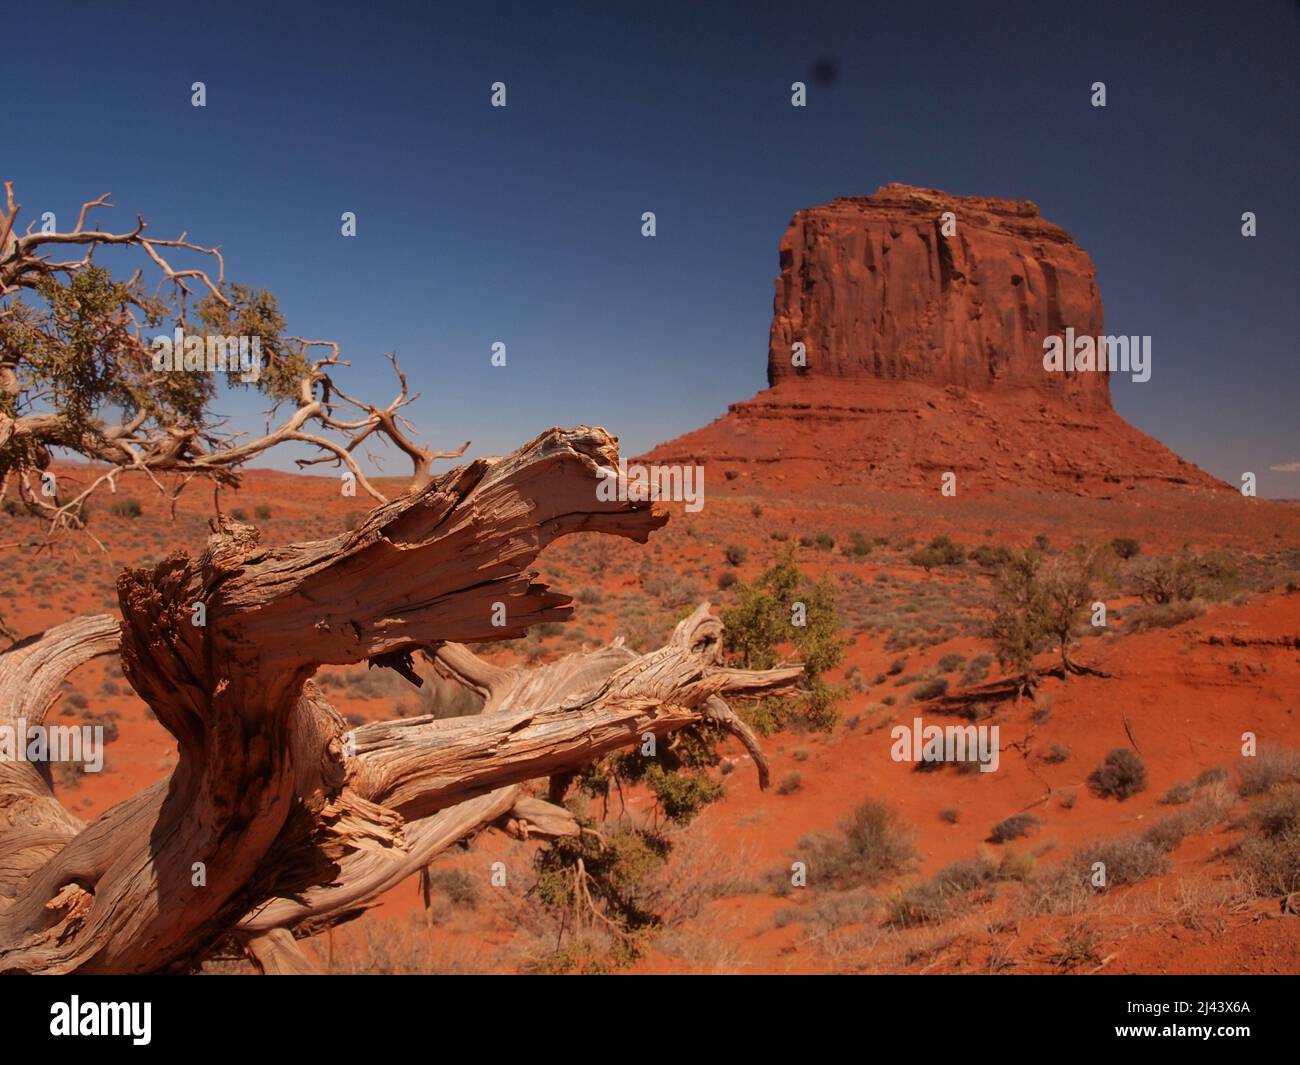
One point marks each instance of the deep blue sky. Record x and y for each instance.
(523, 224)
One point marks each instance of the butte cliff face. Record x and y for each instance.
(907, 341)
(873, 288)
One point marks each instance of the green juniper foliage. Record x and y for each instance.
(765, 618)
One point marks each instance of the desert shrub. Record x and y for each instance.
(1270, 853)
(1127, 859)
(1013, 827)
(1020, 629)
(1015, 865)
(950, 663)
(107, 721)
(239, 514)
(673, 590)
(940, 551)
(989, 557)
(1178, 794)
(1069, 588)
(924, 903)
(367, 683)
(1081, 945)
(1038, 604)
(675, 776)
(1161, 581)
(126, 508)
(1213, 803)
(262, 512)
(1168, 832)
(439, 697)
(859, 546)
(1125, 547)
(1164, 615)
(789, 784)
(682, 795)
(1121, 775)
(935, 899)
(772, 714)
(1272, 767)
(820, 707)
(950, 814)
(726, 579)
(764, 618)
(460, 888)
(1056, 754)
(735, 554)
(977, 669)
(930, 689)
(829, 912)
(611, 873)
(824, 541)
(68, 775)
(897, 666)
(583, 955)
(869, 846)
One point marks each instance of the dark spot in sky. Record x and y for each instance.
(825, 71)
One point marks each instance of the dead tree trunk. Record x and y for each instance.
(275, 816)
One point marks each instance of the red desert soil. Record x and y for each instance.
(1188, 694)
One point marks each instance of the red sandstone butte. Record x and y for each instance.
(924, 354)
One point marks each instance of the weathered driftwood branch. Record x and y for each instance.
(585, 706)
(275, 816)
(365, 873)
(33, 823)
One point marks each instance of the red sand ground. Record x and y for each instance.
(1188, 694)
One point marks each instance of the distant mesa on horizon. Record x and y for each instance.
(907, 340)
